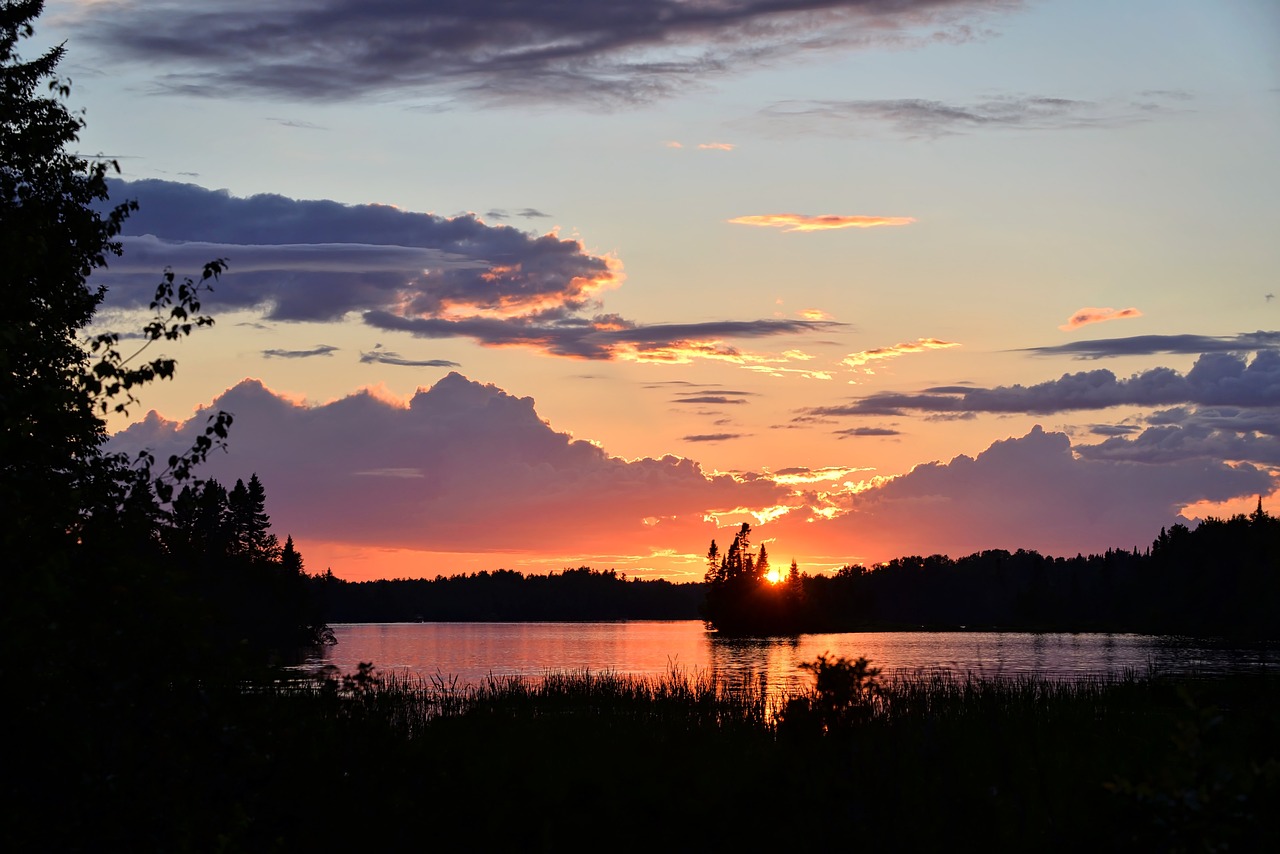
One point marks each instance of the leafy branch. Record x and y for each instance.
(111, 377)
(111, 380)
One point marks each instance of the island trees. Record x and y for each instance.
(744, 596)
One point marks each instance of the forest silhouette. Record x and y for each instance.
(1220, 578)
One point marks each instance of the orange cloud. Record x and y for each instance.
(716, 146)
(1088, 315)
(814, 314)
(686, 352)
(674, 144)
(860, 360)
(824, 222)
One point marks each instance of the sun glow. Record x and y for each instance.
(774, 575)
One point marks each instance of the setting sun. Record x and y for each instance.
(774, 575)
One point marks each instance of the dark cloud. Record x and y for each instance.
(1196, 441)
(600, 339)
(318, 260)
(460, 467)
(622, 51)
(1215, 379)
(523, 213)
(868, 431)
(386, 357)
(318, 350)
(710, 399)
(1114, 429)
(1148, 345)
(916, 117)
(714, 437)
(432, 276)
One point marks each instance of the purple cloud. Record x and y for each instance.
(431, 276)
(460, 467)
(1149, 345)
(623, 51)
(1028, 492)
(1215, 379)
(918, 117)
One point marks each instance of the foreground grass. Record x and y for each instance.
(603, 761)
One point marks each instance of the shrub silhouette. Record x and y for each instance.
(844, 692)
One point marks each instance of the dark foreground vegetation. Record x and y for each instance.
(598, 761)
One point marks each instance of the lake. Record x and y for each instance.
(473, 651)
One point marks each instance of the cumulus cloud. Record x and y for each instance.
(1027, 492)
(1148, 345)
(318, 350)
(1195, 441)
(1088, 315)
(459, 467)
(1215, 379)
(467, 468)
(624, 51)
(431, 276)
(920, 345)
(823, 222)
(918, 117)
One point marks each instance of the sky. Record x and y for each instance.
(539, 285)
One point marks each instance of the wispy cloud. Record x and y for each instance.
(920, 345)
(1149, 345)
(822, 222)
(318, 350)
(296, 123)
(386, 357)
(494, 51)
(1088, 315)
(523, 213)
(716, 146)
(714, 437)
(918, 117)
(719, 398)
(868, 431)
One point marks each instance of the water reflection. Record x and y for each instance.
(471, 652)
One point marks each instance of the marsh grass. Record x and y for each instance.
(608, 761)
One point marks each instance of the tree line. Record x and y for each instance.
(1220, 578)
(507, 595)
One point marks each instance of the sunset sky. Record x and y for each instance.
(536, 285)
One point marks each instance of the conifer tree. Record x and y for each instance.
(290, 560)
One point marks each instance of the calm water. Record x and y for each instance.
(472, 651)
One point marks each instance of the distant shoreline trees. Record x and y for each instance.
(1222, 578)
